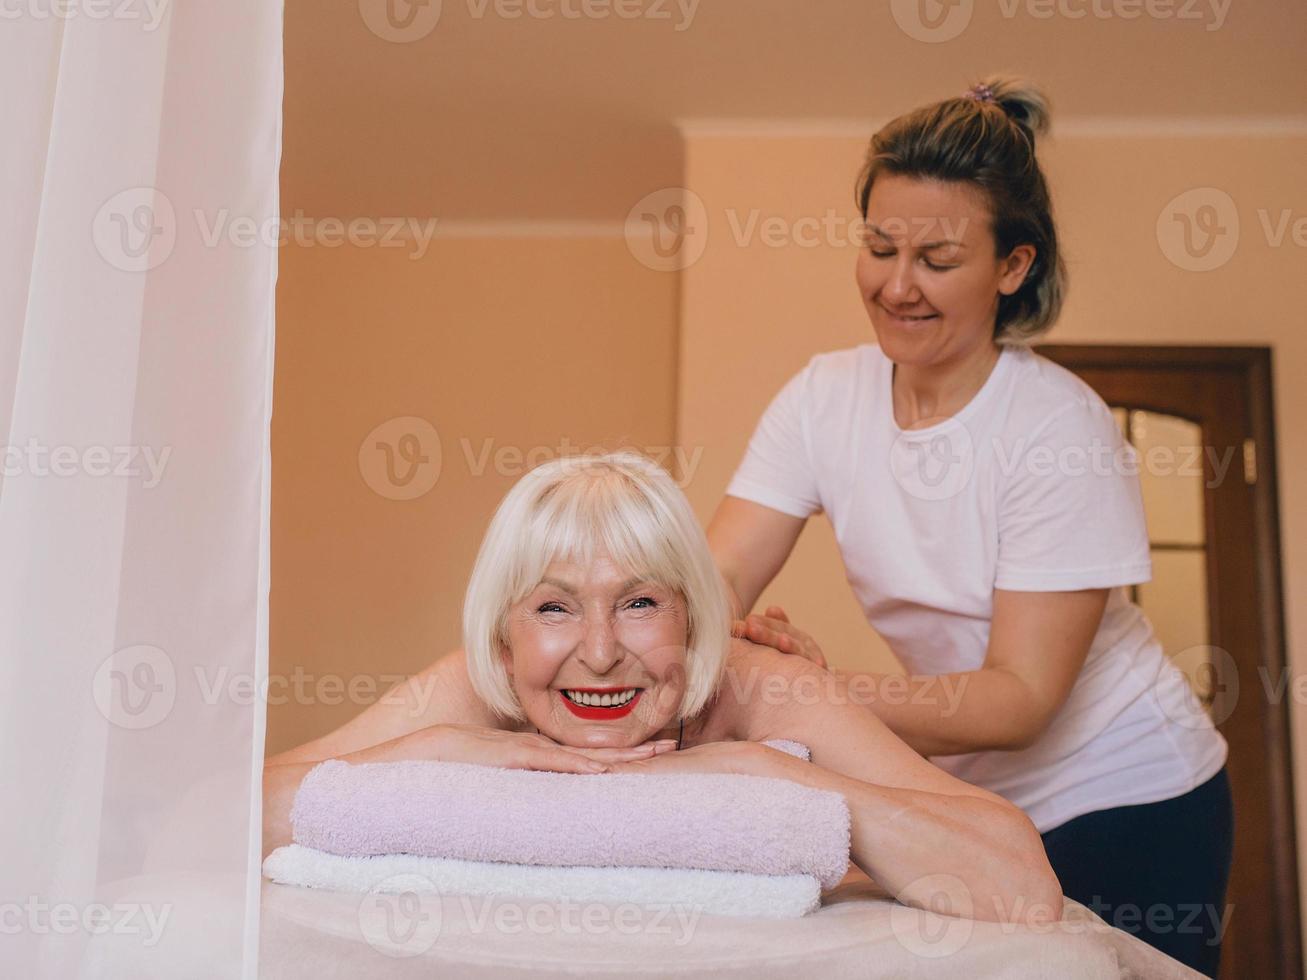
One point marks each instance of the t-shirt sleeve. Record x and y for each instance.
(1071, 514)
(777, 469)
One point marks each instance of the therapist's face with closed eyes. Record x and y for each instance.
(596, 654)
(927, 272)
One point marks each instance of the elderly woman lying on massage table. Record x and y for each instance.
(597, 636)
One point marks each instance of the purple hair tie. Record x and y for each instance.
(980, 93)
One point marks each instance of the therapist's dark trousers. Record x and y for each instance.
(1156, 870)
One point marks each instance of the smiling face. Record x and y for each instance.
(590, 634)
(927, 272)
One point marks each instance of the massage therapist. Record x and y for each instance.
(943, 457)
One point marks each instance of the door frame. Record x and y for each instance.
(1253, 366)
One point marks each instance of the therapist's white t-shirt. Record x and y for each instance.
(1029, 488)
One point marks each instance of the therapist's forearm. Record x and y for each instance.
(949, 714)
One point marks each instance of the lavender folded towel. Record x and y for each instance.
(710, 821)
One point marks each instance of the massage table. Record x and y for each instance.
(858, 932)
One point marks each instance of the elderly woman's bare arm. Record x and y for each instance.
(386, 730)
(440, 694)
(433, 715)
(922, 834)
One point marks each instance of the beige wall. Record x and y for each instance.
(752, 314)
(512, 345)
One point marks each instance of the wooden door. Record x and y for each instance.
(1225, 395)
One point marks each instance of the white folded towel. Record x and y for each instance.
(712, 892)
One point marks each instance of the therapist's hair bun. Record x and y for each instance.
(1022, 102)
(986, 137)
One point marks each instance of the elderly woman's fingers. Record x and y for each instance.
(571, 758)
(479, 745)
(717, 757)
(559, 759)
(624, 753)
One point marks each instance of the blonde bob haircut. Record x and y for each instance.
(572, 509)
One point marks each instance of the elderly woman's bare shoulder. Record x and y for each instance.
(749, 664)
(445, 691)
(439, 694)
(756, 681)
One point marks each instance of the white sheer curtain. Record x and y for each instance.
(139, 147)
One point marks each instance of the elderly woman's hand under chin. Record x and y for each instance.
(738, 758)
(479, 745)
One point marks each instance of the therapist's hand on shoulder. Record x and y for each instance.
(776, 631)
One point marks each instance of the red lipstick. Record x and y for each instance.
(594, 713)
